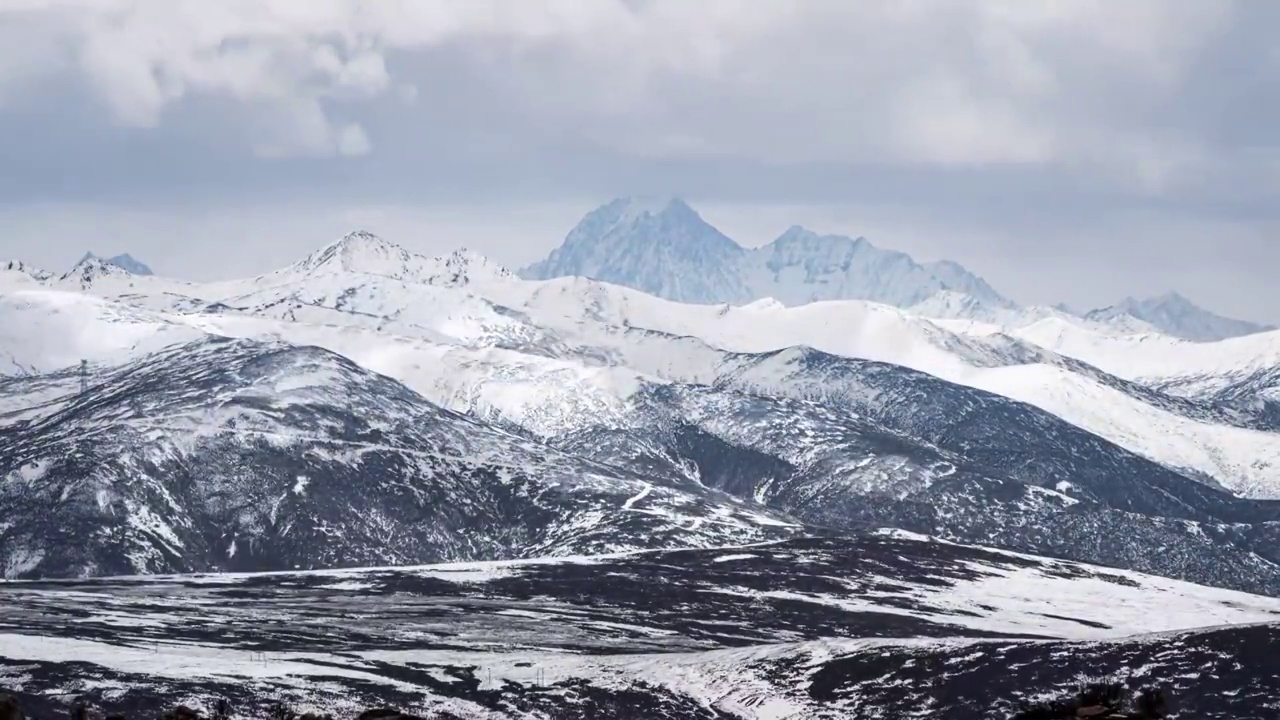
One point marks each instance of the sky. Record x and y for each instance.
(1069, 150)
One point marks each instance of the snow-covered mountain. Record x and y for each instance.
(659, 246)
(1193, 368)
(368, 405)
(363, 253)
(246, 455)
(801, 266)
(666, 249)
(749, 401)
(1236, 452)
(966, 313)
(1175, 315)
(124, 261)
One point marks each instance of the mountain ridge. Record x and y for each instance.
(606, 374)
(665, 248)
(1174, 314)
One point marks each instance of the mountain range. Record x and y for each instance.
(368, 406)
(696, 407)
(663, 247)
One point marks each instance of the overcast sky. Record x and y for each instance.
(1077, 150)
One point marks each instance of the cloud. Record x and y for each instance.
(920, 81)
(1129, 135)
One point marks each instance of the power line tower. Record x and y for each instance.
(84, 376)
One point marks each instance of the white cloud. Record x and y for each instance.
(353, 141)
(922, 81)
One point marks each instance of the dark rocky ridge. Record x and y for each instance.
(936, 458)
(836, 628)
(241, 455)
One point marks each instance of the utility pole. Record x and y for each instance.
(84, 376)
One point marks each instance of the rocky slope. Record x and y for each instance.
(258, 456)
(803, 628)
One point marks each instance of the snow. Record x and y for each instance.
(48, 330)
(631, 501)
(737, 556)
(959, 312)
(1152, 356)
(1246, 461)
(174, 660)
(638, 206)
(466, 334)
(558, 356)
(1175, 315)
(664, 247)
(523, 643)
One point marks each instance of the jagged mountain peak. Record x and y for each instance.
(124, 261)
(1174, 314)
(664, 247)
(363, 253)
(92, 268)
(636, 207)
(803, 266)
(464, 267)
(660, 246)
(1171, 300)
(358, 251)
(1172, 296)
(798, 235)
(953, 304)
(647, 214)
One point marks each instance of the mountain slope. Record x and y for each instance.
(46, 330)
(599, 315)
(1173, 314)
(363, 253)
(967, 314)
(235, 454)
(911, 427)
(880, 446)
(1162, 360)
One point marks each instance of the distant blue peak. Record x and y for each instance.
(124, 261)
(798, 233)
(652, 205)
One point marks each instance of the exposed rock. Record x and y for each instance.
(9, 709)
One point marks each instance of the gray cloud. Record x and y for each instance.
(1104, 144)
